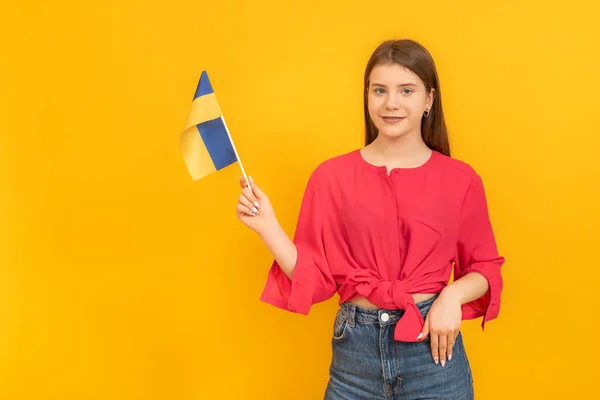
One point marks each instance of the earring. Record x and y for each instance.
(426, 113)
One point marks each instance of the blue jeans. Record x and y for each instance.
(367, 363)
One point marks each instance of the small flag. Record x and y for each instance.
(205, 142)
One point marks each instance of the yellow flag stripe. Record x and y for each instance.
(195, 154)
(204, 108)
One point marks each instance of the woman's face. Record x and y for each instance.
(397, 99)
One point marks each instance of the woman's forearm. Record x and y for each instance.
(468, 288)
(282, 248)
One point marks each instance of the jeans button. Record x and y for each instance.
(385, 317)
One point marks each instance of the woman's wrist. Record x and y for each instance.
(271, 231)
(454, 293)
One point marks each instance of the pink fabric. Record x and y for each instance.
(362, 232)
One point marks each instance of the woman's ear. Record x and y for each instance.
(430, 98)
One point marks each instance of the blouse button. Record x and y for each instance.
(385, 317)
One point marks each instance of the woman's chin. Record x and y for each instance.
(392, 134)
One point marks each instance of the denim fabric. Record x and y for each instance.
(367, 363)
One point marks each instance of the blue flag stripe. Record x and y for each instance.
(217, 142)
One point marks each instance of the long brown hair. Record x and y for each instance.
(416, 58)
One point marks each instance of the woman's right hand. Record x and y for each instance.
(255, 210)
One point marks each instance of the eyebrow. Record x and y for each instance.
(400, 85)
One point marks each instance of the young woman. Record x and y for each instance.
(384, 226)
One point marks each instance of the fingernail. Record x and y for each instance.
(257, 204)
(449, 357)
(255, 210)
(443, 363)
(420, 334)
(436, 360)
(251, 180)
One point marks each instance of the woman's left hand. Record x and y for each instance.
(442, 323)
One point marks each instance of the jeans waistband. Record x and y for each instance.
(353, 313)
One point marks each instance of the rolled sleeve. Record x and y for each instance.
(477, 253)
(311, 281)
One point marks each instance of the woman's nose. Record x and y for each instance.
(391, 103)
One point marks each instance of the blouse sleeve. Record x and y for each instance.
(312, 281)
(477, 252)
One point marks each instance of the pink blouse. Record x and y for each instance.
(362, 232)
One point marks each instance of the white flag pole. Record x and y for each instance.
(236, 153)
(233, 145)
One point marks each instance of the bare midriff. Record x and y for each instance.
(364, 303)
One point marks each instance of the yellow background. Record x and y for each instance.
(121, 278)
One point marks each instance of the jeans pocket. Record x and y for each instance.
(339, 327)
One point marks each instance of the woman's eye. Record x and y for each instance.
(379, 91)
(407, 91)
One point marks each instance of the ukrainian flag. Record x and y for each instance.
(205, 142)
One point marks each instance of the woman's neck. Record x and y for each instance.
(404, 152)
